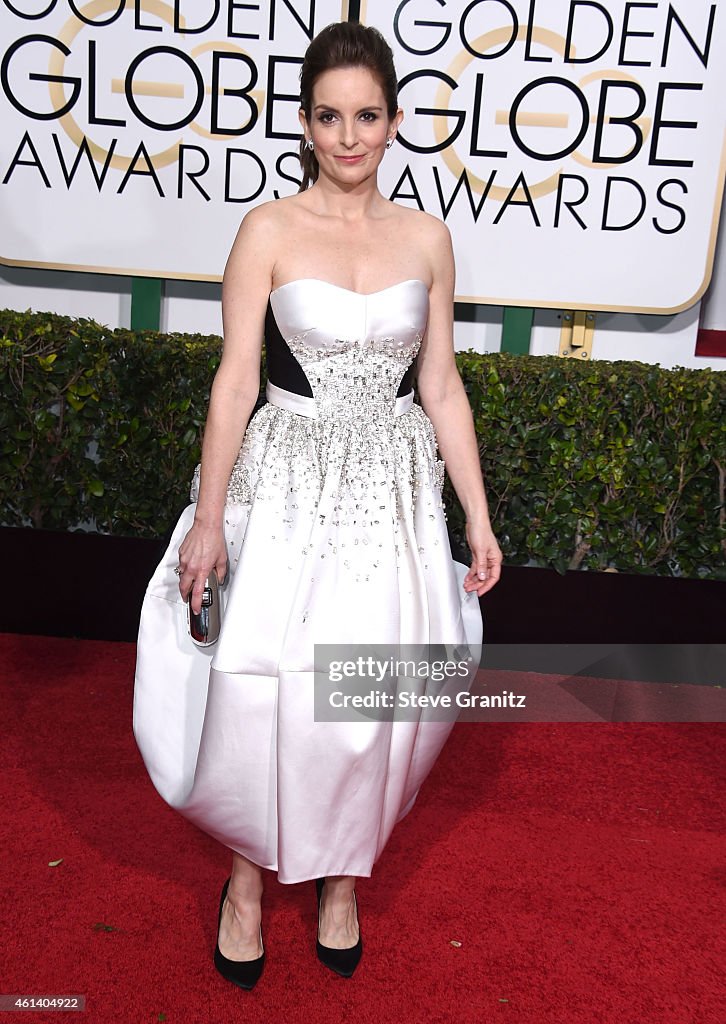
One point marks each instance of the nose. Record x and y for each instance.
(348, 134)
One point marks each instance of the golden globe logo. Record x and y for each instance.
(563, 127)
(608, 106)
(118, 88)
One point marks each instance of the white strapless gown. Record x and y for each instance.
(336, 533)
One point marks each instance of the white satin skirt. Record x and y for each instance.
(228, 733)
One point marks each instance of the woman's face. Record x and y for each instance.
(349, 124)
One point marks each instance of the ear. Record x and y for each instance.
(396, 122)
(303, 122)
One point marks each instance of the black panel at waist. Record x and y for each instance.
(285, 371)
(406, 381)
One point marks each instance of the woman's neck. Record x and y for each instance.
(328, 199)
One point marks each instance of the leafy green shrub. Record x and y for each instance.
(602, 465)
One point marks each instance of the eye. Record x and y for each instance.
(327, 117)
(370, 116)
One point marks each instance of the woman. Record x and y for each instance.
(325, 512)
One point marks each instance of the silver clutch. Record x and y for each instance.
(204, 628)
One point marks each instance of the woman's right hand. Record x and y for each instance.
(202, 550)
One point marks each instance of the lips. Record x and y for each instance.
(350, 159)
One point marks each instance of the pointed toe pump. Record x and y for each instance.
(342, 961)
(244, 973)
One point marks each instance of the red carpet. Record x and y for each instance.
(580, 866)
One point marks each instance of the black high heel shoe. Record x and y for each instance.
(342, 961)
(244, 973)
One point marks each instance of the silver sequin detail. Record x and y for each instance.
(354, 473)
(239, 491)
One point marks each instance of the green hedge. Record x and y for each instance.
(603, 465)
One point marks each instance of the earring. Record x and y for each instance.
(389, 142)
(310, 144)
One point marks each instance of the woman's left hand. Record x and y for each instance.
(486, 558)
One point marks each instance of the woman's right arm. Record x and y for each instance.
(245, 292)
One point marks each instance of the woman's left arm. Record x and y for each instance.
(445, 402)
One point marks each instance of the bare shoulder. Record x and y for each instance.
(430, 236)
(260, 219)
(258, 237)
(424, 225)
(436, 235)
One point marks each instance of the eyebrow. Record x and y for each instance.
(326, 106)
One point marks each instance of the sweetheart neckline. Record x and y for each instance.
(350, 291)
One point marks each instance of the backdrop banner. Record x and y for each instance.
(136, 133)
(574, 148)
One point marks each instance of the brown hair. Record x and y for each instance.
(344, 44)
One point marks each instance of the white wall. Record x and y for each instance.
(105, 298)
(666, 340)
(483, 332)
(713, 307)
(192, 307)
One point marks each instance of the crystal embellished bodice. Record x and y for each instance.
(353, 349)
(340, 401)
